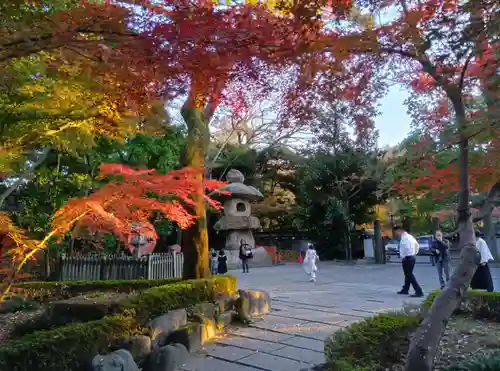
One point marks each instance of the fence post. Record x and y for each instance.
(60, 268)
(148, 266)
(102, 268)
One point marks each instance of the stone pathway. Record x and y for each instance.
(303, 314)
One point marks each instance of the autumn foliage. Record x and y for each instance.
(130, 197)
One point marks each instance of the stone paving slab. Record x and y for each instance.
(274, 362)
(202, 363)
(227, 352)
(256, 344)
(279, 324)
(304, 343)
(308, 356)
(260, 334)
(304, 314)
(314, 330)
(309, 315)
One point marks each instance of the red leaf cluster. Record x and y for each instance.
(133, 196)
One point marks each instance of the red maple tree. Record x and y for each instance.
(177, 48)
(446, 52)
(211, 52)
(131, 197)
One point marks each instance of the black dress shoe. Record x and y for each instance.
(403, 292)
(417, 295)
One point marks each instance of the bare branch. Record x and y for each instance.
(28, 174)
(489, 204)
(464, 70)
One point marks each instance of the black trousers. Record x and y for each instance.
(408, 264)
(482, 279)
(244, 263)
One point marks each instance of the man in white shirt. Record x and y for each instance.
(408, 249)
(482, 277)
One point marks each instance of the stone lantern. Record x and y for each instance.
(237, 222)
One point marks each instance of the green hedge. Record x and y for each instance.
(483, 362)
(63, 348)
(67, 348)
(476, 303)
(159, 300)
(373, 344)
(62, 290)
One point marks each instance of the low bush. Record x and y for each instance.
(476, 303)
(17, 303)
(482, 362)
(159, 300)
(373, 344)
(42, 291)
(64, 348)
(78, 309)
(67, 348)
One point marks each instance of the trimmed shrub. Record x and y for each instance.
(16, 304)
(41, 291)
(77, 309)
(479, 304)
(68, 348)
(159, 300)
(372, 344)
(64, 348)
(483, 362)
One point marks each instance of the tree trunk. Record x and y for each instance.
(435, 224)
(378, 243)
(490, 235)
(407, 224)
(195, 238)
(424, 344)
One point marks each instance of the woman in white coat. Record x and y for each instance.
(310, 262)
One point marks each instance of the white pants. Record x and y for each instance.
(313, 275)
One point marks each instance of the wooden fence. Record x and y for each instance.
(120, 267)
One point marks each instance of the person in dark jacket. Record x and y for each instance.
(245, 255)
(441, 252)
(222, 262)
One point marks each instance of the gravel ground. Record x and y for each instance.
(464, 337)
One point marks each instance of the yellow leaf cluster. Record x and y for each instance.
(56, 106)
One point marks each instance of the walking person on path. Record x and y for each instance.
(482, 278)
(215, 262)
(408, 249)
(310, 262)
(222, 262)
(441, 252)
(245, 255)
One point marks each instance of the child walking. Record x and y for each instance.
(222, 262)
(215, 262)
(310, 262)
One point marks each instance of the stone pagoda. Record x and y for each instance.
(237, 223)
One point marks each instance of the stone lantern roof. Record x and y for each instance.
(237, 188)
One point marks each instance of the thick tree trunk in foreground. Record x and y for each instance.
(425, 342)
(195, 238)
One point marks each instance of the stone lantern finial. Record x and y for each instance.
(235, 176)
